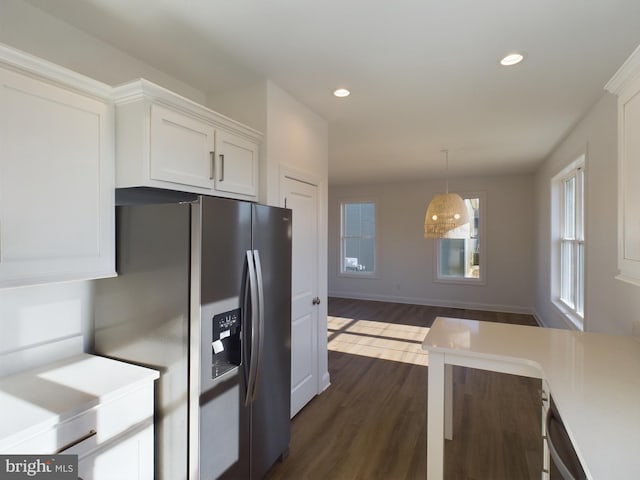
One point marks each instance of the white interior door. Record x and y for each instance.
(302, 198)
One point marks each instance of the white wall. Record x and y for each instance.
(247, 104)
(42, 324)
(406, 260)
(611, 306)
(298, 140)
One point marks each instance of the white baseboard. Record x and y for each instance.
(539, 320)
(325, 383)
(437, 303)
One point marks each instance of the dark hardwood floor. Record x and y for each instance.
(371, 422)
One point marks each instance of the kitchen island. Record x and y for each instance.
(593, 379)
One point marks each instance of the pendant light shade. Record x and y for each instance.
(447, 215)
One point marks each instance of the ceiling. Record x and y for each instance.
(424, 74)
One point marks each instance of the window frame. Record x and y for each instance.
(482, 264)
(573, 310)
(354, 273)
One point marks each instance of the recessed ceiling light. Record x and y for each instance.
(511, 59)
(342, 92)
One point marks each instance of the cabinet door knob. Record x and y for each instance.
(316, 301)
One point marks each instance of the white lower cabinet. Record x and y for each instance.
(56, 174)
(129, 457)
(167, 141)
(97, 408)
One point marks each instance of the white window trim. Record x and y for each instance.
(355, 274)
(571, 316)
(482, 279)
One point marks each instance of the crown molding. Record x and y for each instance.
(26, 63)
(627, 73)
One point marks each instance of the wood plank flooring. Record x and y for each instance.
(371, 422)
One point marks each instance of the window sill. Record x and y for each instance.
(571, 317)
(363, 275)
(461, 280)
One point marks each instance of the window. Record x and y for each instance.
(358, 238)
(462, 260)
(568, 257)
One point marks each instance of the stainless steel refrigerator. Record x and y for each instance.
(203, 294)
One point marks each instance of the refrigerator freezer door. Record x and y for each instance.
(270, 421)
(221, 236)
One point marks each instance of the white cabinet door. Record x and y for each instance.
(236, 164)
(181, 148)
(56, 183)
(629, 165)
(129, 456)
(626, 85)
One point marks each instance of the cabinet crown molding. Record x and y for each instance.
(141, 89)
(626, 74)
(26, 63)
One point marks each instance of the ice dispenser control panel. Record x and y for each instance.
(226, 343)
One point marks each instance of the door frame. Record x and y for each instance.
(286, 172)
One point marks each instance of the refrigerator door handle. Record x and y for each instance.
(246, 348)
(253, 360)
(258, 264)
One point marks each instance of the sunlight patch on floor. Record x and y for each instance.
(386, 341)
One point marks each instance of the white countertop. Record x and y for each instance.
(33, 401)
(594, 380)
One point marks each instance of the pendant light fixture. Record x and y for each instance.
(447, 215)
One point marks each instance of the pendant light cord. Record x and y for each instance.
(446, 154)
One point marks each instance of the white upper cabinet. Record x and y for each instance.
(626, 84)
(167, 141)
(56, 173)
